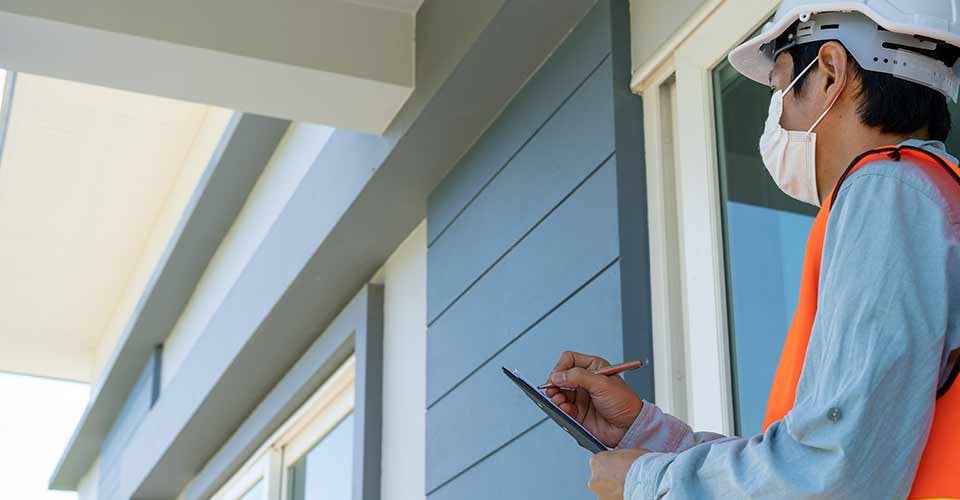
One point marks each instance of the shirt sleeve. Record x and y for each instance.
(866, 396)
(655, 430)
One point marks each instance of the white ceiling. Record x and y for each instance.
(86, 173)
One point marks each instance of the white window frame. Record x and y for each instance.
(248, 476)
(688, 282)
(333, 401)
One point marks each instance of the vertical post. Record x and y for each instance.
(157, 383)
(632, 206)
(368, 405)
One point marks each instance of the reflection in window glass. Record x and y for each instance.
(255, 493)
(953, 141)
(326, 471)
(765, 234)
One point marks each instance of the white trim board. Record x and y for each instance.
(697, 377)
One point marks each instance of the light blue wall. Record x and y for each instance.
(524, 262)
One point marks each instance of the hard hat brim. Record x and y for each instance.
(750, 61)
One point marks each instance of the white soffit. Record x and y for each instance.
(85, 175)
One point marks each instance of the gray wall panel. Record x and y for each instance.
(574, 243)
(632, 198)
(526, 259)
(551, 468)
(588, 322)
(556, 80)
(560, 156)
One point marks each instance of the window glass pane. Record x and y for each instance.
(765, 234)
(326, 471)
(953, 140)
(255, 493)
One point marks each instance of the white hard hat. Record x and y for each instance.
(899, 37)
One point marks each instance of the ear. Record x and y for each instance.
(833, 66)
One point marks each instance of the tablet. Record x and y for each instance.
(568, 423)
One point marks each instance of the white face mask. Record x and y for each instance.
(790, 156)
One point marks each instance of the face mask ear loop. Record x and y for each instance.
(824, 114)
(797, 79)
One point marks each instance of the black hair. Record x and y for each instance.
(892, 104)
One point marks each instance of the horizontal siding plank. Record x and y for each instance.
(540, 464)
(573, 244)
(567, 68)
(588, 322)
(563, 153)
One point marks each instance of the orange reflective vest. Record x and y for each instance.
(939, 473)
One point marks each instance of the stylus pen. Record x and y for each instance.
(610, 370)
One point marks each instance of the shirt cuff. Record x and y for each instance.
(644, 477)
(654, 431)
(638, 429)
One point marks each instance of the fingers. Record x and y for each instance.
(561, 398)
(571, 359)
(580, 378)
(565, 403)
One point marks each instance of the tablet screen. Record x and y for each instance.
(584, 437)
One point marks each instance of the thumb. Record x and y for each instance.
(576, 378)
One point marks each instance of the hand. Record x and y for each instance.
(606, 406)
(608, 472)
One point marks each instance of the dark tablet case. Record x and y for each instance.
(568, 423)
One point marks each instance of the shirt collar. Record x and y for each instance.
(932, 146)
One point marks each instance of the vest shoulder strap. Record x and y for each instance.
(895, 153)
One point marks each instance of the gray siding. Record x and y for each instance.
(142, 397)
(523, 262)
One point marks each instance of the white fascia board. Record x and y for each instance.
(336, 63)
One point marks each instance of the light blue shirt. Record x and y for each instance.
(888, 319)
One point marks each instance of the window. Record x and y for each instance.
(953, 141)
(339, 375)
(253, 481)
(257, 492)
(726, 280)
(326, 471)
(688, 278)
(311, 455)
(765, 234)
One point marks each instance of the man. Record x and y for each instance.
(862, 404)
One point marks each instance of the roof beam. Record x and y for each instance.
(334, 62)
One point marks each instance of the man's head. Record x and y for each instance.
(891, 105)
(897, 60)
(847, 77)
